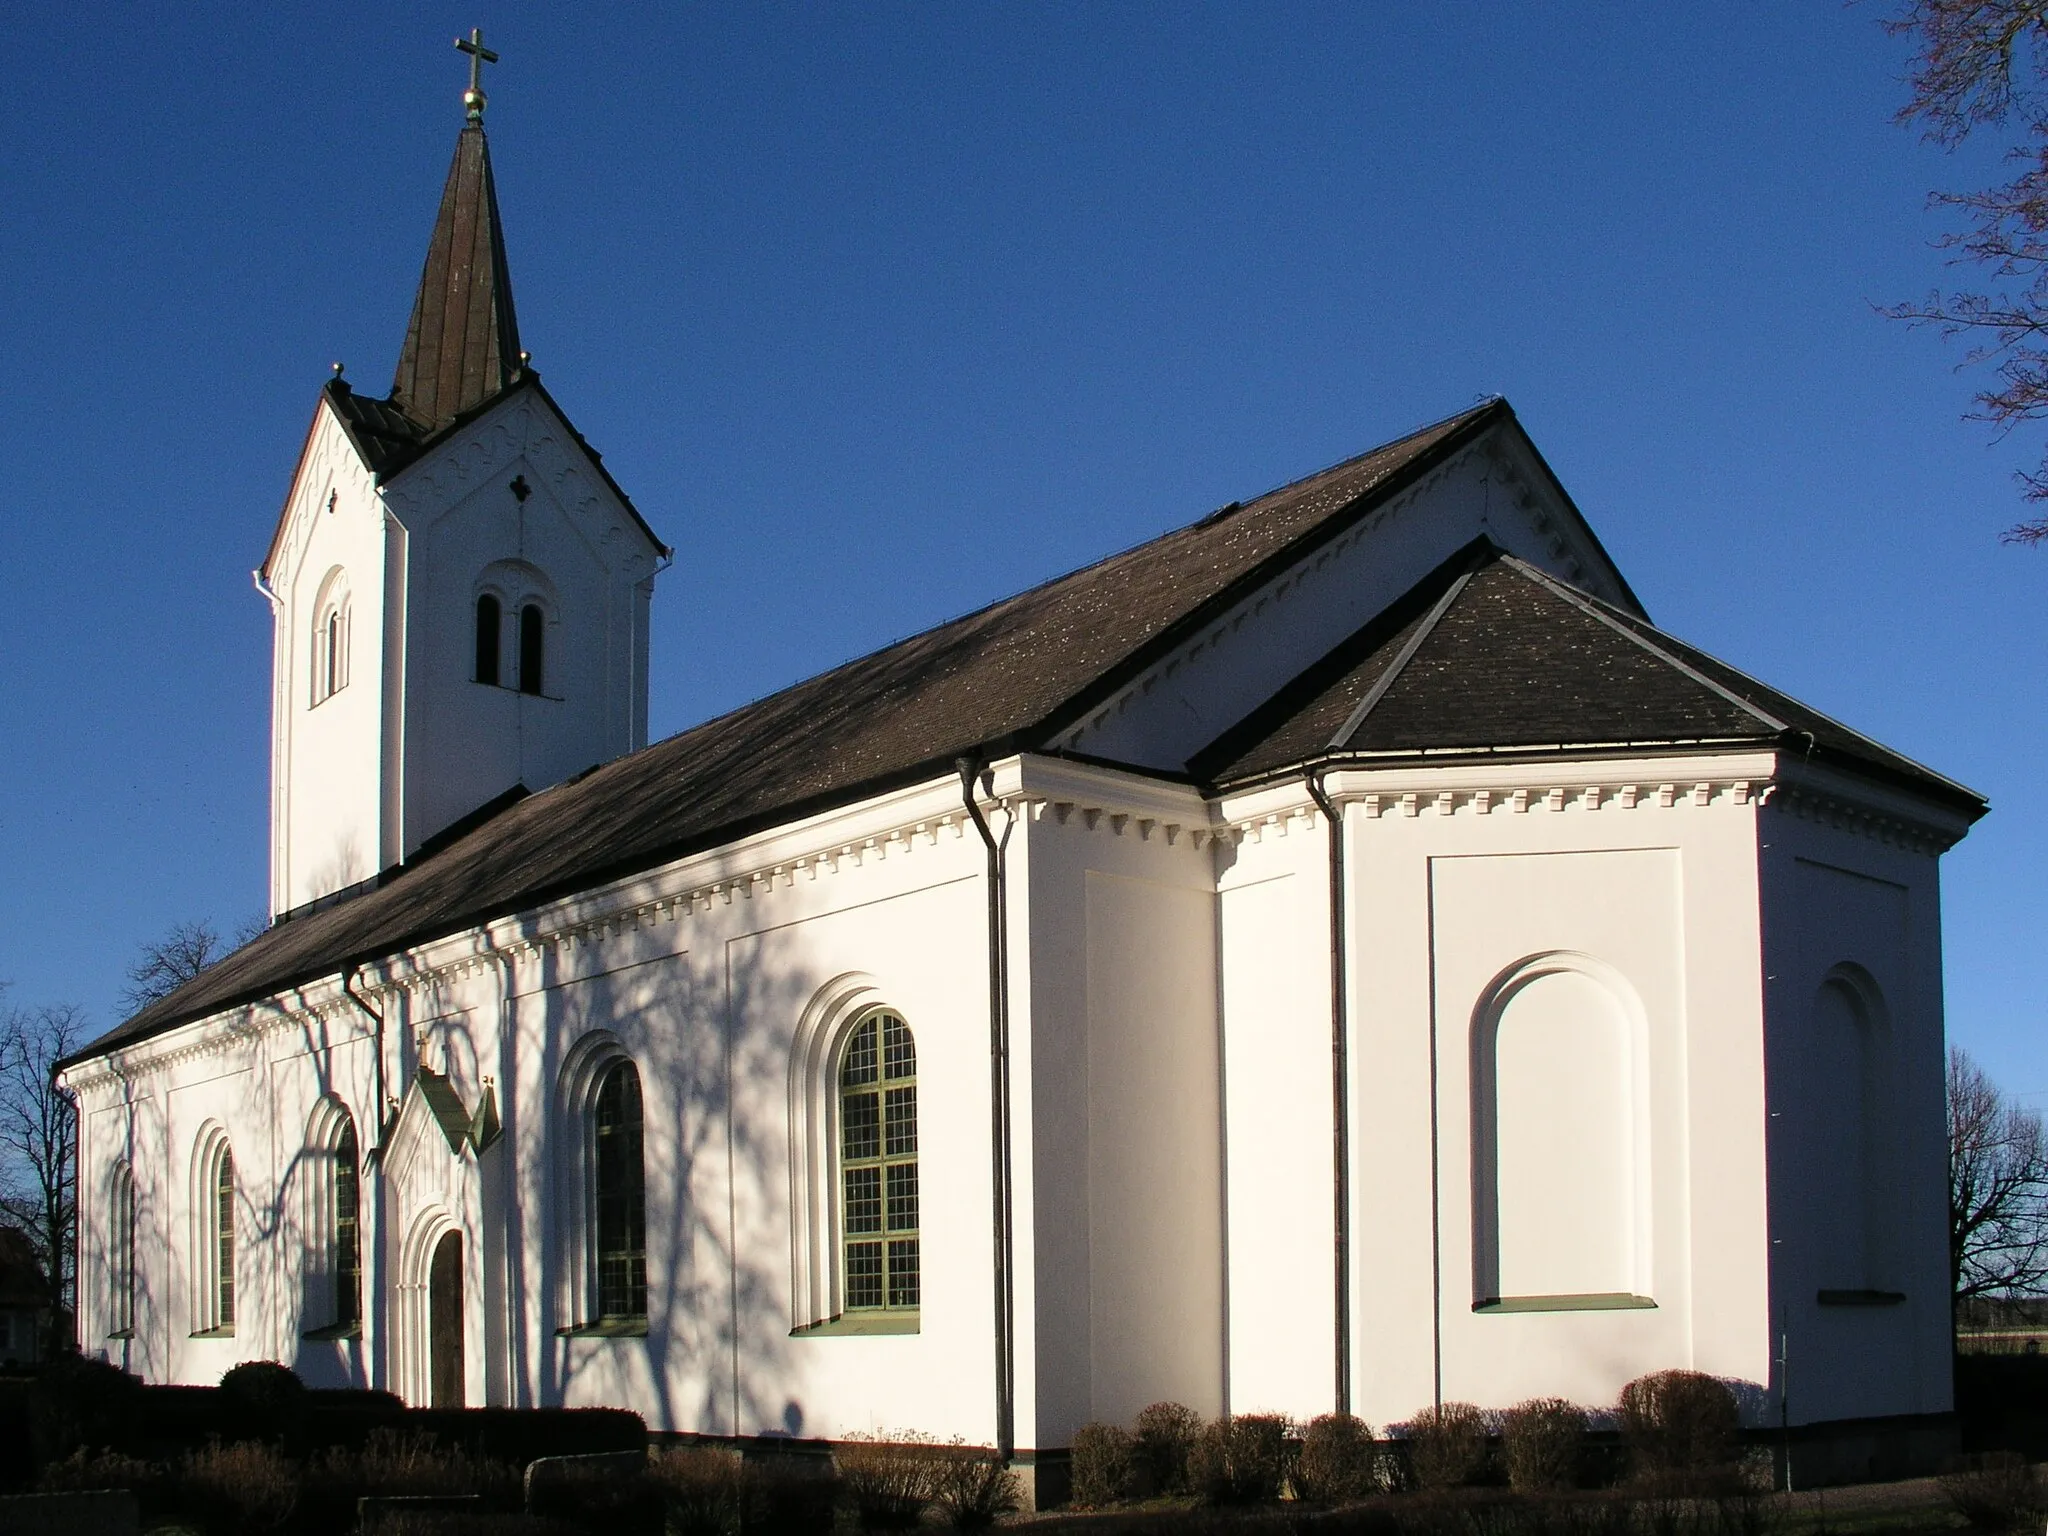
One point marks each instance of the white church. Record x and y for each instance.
(1337, 955)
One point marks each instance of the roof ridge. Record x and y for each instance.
(1624, 620)
(1581, 601)
(1401, 659)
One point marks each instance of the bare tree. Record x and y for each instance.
(39, 1143)
(1997, 1187)
(170, 962)
(1983, 64)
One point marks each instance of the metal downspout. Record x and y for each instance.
(383, 1096)
(1340, 1090)
(999, 1110)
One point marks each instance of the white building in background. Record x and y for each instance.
(1336, 955)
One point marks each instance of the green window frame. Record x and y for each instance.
(224, 1236)
(878, 1178)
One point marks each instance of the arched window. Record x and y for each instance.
(330, 640)
(121, 1253)
(489, 631)
(878, 1165)
(213, 1256)
(347, 1249)
(532, 639)
(619, 1241)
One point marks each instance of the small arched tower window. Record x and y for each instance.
(331, 638)
(532, 641)
(619, 1241)
(489, 629)
(878, 1165)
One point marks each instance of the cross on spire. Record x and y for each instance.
(473, 99)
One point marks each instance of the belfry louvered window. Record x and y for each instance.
(878, 1165)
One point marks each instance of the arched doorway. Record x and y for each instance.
(444, 1323)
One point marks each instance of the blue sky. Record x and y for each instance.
(883, 311)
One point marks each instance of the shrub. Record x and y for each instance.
(1103, 1464)
(1542, 1440)
(973, 1488)
(1166, 1439)
(85, 1471)
(80, 1402)
(243, 1486)
(395, 1463)
(1338, 1461)
(262, 1400)
(891, 1482)
(790, 1495)
(1447, 1446)
(1681, 1428)
(1240, 1460)
(703, 1487)
(1996, 1492)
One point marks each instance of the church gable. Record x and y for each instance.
(1489, 654)
(1493, 485)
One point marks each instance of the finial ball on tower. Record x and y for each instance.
(473, 100)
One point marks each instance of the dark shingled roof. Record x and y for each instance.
(462, 343)
(1009, 677)
(1489, 653)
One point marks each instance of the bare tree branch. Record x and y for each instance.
(1984, 64)
(170, 962)
(39, 1144)
(1998, 1187)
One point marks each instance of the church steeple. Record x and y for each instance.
(462, 344)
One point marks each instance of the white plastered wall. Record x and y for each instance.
(1125, 1137)
(327, 756)
(1456, 876)
(1855, 896)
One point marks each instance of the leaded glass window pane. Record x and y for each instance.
(224, 1233)
(621, 1246)
(878, 1163)
(348, 1252)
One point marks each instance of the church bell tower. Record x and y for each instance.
(459, 590)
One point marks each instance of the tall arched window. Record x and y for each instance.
(347, 1248)
(489, 630)
(121, 1253)
(878, 1165)
(532, 640)
(213, 1248)
(619, 1241)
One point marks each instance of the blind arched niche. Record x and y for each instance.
(1560, 1154)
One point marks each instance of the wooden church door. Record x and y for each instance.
(444, 1323)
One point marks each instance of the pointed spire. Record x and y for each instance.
(462, 345)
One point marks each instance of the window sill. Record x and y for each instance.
(606, 1328)
(1595, 1301)
(334, 1331)
(854, 1324)
(216, 1333)
(1859, 1298)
